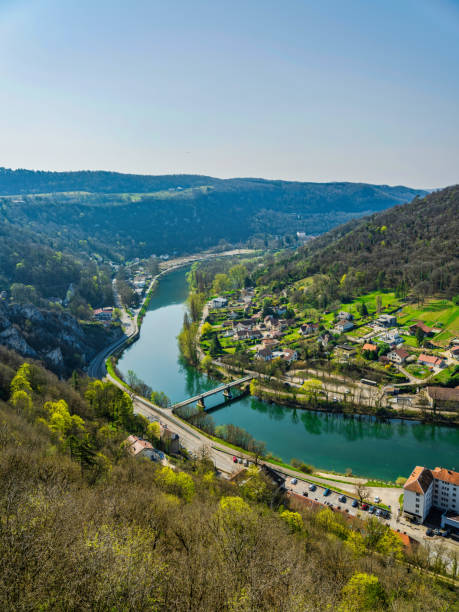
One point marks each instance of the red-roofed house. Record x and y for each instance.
(373, 348)
(138, 447)
(432, 361)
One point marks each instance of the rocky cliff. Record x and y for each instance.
(56, 338)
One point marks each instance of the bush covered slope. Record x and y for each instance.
(83, 526)
(414, 246)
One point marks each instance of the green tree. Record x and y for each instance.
(419, 336)
(221, 283)
(294, 521)
(153, 432)
(362, 592)
(215, 348)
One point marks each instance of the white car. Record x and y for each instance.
(377, 499)
(294, 481)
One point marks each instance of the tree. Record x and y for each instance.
(154, 432)
(24, 293)
(206, 363)
(419, 336)
(206, 329)
(237, 275)
(221, 283)
(362, 492)
(160, 399)
(312, 388)
(294, 521)
(215, 348)
(378, 304)
(362, 592)
(363, 309)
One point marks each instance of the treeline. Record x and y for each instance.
(125, 216)
(86, 527)
(411, 248)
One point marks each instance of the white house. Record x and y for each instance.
(426, 489)
(265, 354)
(343, 326)
(218, 302)
(398, 356)
(386, 320)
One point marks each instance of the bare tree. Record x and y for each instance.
(362, 492)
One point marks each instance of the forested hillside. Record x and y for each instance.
(119, 215)
(413, 248)
(86, 527)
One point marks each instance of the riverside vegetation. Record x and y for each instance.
(84, 526)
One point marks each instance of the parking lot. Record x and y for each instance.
(332, 500)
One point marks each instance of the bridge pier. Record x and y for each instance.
(200, 404)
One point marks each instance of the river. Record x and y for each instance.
(370, 447)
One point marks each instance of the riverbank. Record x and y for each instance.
(332, 442)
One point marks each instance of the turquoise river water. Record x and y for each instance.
(370, 447)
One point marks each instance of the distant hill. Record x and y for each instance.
(413, 247)
(135, 215)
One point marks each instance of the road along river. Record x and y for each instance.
(370, 447)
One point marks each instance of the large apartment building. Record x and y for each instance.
(426, 489)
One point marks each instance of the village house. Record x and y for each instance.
(103, 314)
(270, 322)
(218, 302)
(431, 361)
(265, 354)
(398, 356)
(419, 325)
(343, 326)
(386, 320)
(371, 348)
(138, 447)
(391, 337)
(289, 355)
(269, 342)
(454, 352)
(345, 316)
(171, 441)
(309, 328)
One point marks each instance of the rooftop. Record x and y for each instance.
(419, 480)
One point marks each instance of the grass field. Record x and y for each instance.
(418, 370)
(442, 314)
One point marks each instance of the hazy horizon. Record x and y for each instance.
(313, 92)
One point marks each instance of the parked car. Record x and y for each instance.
(246, 462)
(364, 506)
(377, 499)
(312, 487)
(327, 492)
(294, 481)
(429, 532)
(378, 512)
(437, 532)
(355, 503)
(234, 459)
(371, 510)
(343, 499)
(305, 493)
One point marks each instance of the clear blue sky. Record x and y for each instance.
(321, 90)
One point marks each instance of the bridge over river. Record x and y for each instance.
(226, 388)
